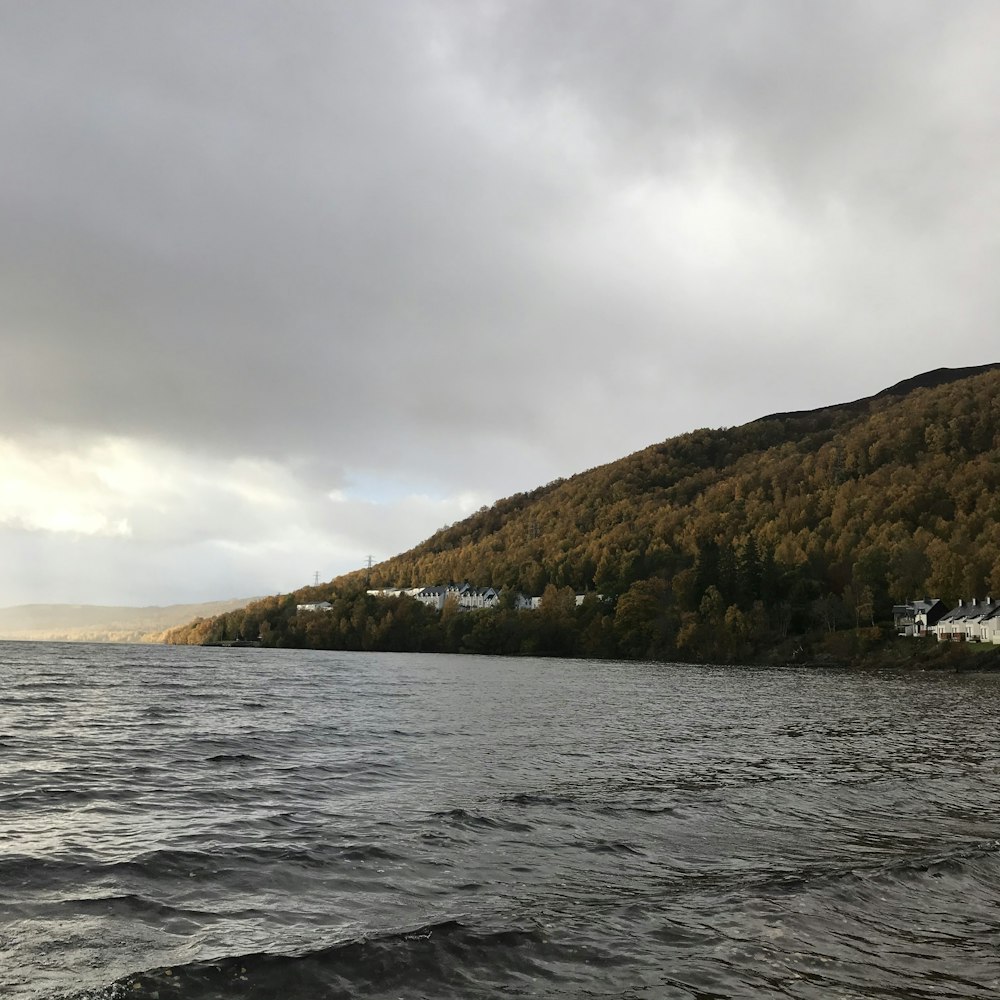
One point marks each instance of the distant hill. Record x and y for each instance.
(716, 542)
(98, 623)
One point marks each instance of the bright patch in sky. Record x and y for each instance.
(61, 491)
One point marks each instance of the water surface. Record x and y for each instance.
(209, 823)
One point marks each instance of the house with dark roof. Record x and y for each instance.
(466, 597)
(479, 597)
(951, 627)
(969, 622)
(917, 618)
(990, 626)
(435, 597)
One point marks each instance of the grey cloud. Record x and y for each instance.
(233, 265)
(887, 99)
(472, 246)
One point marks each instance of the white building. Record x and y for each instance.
(975, 621)
(466, 597)
(479, 597)
(918, 618)
(435, 597)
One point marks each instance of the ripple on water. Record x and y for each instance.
(206, 824)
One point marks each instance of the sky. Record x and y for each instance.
(285, 285)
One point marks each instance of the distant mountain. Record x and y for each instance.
(725, 539)
(98, 623)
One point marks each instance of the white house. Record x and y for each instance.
(434, 597)
(479, 597)
(972, 622)
(951, 627)
(991, 626)
(978, 612)
(989, 621)
(319, 606)
(918, 618)
(467, 598)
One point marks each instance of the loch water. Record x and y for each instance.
(217, 823)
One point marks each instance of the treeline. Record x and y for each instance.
(734, 605)
(643, 623)
(717, 544)
(360, 621)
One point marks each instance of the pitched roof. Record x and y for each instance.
(976, 611)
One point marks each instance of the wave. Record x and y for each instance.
(601, 846)
(590, 802)
(446, 958)
(235, 758)
(474, 821)
(126, 906)
(221, 861)
(43, 798)
(646, 810)
(34, 699)
(369, 852)
(46, 874)
(539, 799)
(951, 862)
(955, 862)
(30, 872)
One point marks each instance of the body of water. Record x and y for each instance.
(211, 823)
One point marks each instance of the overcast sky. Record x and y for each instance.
(284, 284)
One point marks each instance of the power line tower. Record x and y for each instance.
(368, 574)
(316, 578)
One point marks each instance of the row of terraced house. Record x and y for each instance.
(465, 596)
(972, 621)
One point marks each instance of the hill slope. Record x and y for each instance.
(793, 521)
(879, 480)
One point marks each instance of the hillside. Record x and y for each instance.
(719, 541)
(98, 623)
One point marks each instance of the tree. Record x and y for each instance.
(908, 571)
(859, 600)
(828, 612)
(643, 620)
(749, 573)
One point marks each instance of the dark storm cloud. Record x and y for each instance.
(253, 220)
(246, 232)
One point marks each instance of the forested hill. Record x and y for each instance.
(717, 542)
(898, 492)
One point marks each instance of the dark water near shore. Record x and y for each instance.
(197, 823)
